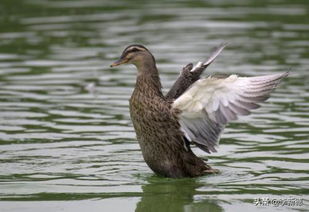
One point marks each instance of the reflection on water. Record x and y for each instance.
(174, 195)
(65, 130)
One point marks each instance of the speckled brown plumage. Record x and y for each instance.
(158, 132)
(163, 144)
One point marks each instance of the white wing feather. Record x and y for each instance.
(210, 103)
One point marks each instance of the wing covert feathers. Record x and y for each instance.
(210, 103)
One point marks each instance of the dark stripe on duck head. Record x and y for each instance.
(133, 48)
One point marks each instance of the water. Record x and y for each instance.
(66, 139)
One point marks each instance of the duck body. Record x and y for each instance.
(194, 111)
(158, 132)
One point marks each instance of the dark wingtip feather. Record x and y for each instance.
(282, 76)
(256, 98)
(248, 105)
(214, 54)
(203, 147)
(285, 74)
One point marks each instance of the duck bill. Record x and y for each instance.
(119, 62)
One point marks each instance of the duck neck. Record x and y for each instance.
(148, 80)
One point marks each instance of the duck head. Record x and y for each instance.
(135, 54)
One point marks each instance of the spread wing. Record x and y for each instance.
(210, 103)
(190, 74)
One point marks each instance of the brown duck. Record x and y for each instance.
(194, 111)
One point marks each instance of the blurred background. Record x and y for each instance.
(66, 139)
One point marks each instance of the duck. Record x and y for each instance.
(194, 111)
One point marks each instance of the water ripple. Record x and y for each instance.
(65, 130)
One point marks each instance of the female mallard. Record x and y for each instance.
(194, 111)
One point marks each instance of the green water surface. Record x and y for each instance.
(66, 139)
